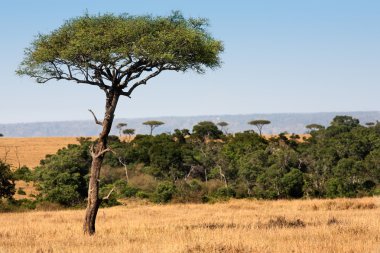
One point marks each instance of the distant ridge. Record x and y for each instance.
(281, 122)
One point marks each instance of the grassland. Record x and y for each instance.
(29, 151)
(344, 225)
(240, 226)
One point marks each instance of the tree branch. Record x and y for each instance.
(96, 120)
(102, 152)
(109, 194)
(143, 81)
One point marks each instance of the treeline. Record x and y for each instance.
(206, 165)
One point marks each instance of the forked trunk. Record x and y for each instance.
(98, 152)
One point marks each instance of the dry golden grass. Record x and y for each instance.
(345, 225)
(30, 151)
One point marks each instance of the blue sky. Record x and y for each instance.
(280, 56)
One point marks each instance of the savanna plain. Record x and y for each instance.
(335, 225)
(340, 225)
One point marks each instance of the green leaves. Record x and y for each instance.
(7, 185)
(92, 48)
(63, 177)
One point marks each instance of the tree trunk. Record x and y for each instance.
(98, 152)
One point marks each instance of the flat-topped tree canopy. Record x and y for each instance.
(153, 124)
(259, 123)
(121, 52)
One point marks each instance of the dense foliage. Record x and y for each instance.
(342, 160)
(7, 185)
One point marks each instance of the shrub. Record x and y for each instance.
(189, 191)
(108, 196)
(123, 189)
(7, 185)
(142, 195)
(23, 173)
(225, 192)
(292, 184)
(164, 192)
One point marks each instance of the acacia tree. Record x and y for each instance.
(223, 126)
(260, 123)
(153, 124)
(130, 132)
(314, 127)
(121, 126)
(118, 54)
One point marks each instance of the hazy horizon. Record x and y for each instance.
(90, 118)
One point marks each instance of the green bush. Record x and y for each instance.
(225, 193)
(63, 177)
(292, 183)
(189, 191)
(142, 195)
(164, 192)
(124, 190)
(23, 173)
(108, 196)
(7, 185)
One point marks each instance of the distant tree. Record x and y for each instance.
(370, 124)
(7, 185)
(153, 124)
(346, 121)
(121, 126)
(260, 123)
(206, 130)
(314, 127)
(129, 132)
(223, 126)
(1, 135)
(118, 54)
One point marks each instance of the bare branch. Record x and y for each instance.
(109, 194)
(96, 120)
(125, 167)
(143, 81)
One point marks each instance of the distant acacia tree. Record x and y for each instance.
(153, 124)
(120, 126)
(223, 126)
(314, 127)
(260, 123)
(1, 135)
(129, 132)
(118, 54)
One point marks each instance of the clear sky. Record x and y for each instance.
(280, 56)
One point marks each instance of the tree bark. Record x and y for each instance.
(98, 152)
